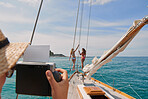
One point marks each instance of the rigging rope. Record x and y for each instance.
(88, 24)
(88, 31)
(122, 87)
(105, 80)
(135, 91)
(131, 88)
(81, 20)
(74, 38)
(36, 22)
(76, 24)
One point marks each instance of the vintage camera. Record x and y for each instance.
(31, 78)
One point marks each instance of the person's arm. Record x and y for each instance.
(59, 89)
(2, 81)
(69, 56)
(79, 52)
(77, 47)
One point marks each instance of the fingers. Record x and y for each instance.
(50, 78)
(64, 73)
(60, 70)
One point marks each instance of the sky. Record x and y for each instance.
(110, 20)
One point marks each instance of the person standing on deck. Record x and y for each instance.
(72, 54)
(83, 55)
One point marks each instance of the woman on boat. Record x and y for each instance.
(83, 55)
(72, 54)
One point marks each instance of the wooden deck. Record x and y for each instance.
(77, 80)
(72, 92)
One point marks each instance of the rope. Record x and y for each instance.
(135, 91)
(104, 79)
(36, 21)
(76, 24)
(81, 20)
(74, 38)
(132, 89)
(122, 87)
(88, 24)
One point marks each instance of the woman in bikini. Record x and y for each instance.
(72, 54)
(83, 55)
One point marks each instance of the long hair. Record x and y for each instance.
(71, 51)
(84, 51)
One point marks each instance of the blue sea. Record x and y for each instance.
(128, 74)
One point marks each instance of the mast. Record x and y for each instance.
(36, 22)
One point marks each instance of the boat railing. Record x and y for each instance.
(119, 88)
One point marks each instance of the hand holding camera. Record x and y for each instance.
(59, 89)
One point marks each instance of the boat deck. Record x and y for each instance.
(72, 92)
(110, 92)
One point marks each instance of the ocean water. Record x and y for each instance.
(121, 72)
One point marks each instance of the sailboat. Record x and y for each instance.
(83, 86)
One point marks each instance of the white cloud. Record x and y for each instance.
(8, 5)
(138, 46)
(62, 43)
(98, 2)
(61, 38)
(122, 28)
(16, 18)
(31, 2)
(102, 23)
(59, 43)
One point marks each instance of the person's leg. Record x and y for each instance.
(2, 81)
(82, 61)
(73, 60)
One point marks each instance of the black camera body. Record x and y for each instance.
(31, 78)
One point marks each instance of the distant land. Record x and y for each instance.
(56, 55)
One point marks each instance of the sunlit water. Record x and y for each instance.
(124, 71)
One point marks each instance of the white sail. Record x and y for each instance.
(116, 49)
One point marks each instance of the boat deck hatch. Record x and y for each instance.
(90, 92)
